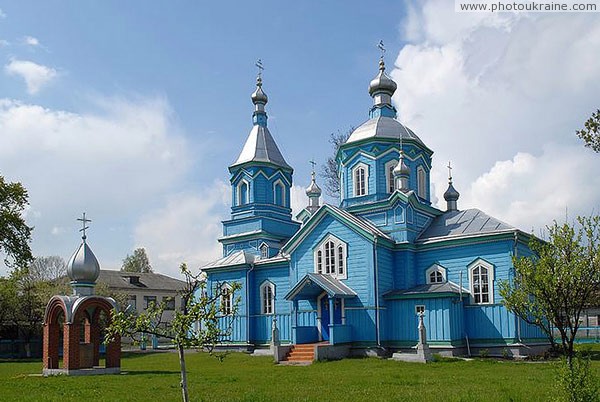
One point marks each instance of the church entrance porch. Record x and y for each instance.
(328, 295)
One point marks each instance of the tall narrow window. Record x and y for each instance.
(267, 296)
(226, 299)
(331, 257)
(242, 190)
(360, 181)
(481, 275)
(421, 182)
(264, 251)
(389, 175)
(279, 194)
(340, 260)
(320, 262)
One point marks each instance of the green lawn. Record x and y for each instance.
(240, 377)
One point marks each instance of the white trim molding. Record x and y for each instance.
(331, 257)
(481, 281)
(238, 190)
(389, 176)
(360, 182)
(421, 182)
(435, 274)
(279, 182)
(267, 298)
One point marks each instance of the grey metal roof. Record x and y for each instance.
(470, 222)
(153, 281)
(261, 147)
(311, 285)
(383, 127)
(238, 258)
(427, 289)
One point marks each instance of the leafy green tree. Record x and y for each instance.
(590, 133)
(553, 286)
(138, 262)
(15, 235)
(196, 325)
(329, 170)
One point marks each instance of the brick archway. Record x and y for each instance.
(80, 349)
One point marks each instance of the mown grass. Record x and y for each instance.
(240, 377)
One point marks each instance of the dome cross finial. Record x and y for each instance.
(381, 48)
(449, 171)
(84, 222)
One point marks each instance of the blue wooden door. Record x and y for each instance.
(325, 318)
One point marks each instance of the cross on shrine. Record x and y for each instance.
(313, 163)
(381, 47)
(449, 170)
(83, 221)
(260, 67)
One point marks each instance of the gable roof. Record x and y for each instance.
(428, 291)
(311, 285)
(145, 280)
(238, 258)
(457, 224)
(360, 225)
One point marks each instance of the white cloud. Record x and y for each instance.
(482, 88)
(115, 163)
(4, 43)
(31, 41)
(299, 200)
(35, 75)
(185, 229)
(2, 14)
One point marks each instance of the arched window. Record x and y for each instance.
(330, 257)
(242, 193)
(389, 175)
(267, 298)
(264, 251)
(279, 193)
(421, 182)
(226, 299)
(360, 175)
(435, 274)
(481, 278)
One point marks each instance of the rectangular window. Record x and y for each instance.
(169, 302)
(132, 301)
(148, 300)
(419, 308)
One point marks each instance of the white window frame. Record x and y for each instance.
(389, 176)
(226, 299)
(327, 257)
(432, 269)
(473, 267)
(279, 182)
(267, 306)
(238, 190)
(421, 182)
(264, 250)
(355, 187)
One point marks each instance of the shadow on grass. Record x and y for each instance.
(146, 372)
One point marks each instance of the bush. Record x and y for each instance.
(576, 383)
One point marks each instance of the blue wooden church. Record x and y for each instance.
(357, 274)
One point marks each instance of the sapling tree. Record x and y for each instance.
(558, 281)
(200, 323)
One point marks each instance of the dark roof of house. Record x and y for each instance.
(127, 280)
(430, 289)
(470, 222)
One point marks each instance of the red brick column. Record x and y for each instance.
(113, 353)
(71, 346)
(50, 346)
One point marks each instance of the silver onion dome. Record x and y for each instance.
(451, 194)
(83, 265)
(313, 188)
(382, 82)
(401, 169)
(259, 96)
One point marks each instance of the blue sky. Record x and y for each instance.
(132, 111)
